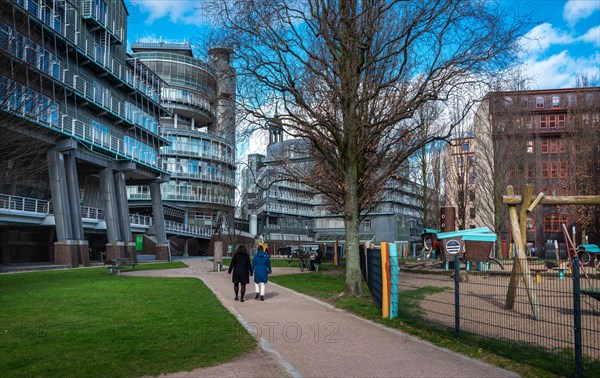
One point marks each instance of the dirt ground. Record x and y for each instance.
(482, 310)
(257, 363)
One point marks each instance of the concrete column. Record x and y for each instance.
(74, 197)
(66, 249)
(115, 247)
(60, 197)
(162, 246)
(123, 212)
(185, 248)
(123, 207)
(75, 209)
(218, 255)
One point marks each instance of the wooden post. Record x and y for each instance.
(523, 213)
(335, 253)
(520, 261)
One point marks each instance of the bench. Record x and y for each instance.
(114, 266)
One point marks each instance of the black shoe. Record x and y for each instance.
(256, 297)
(241, 300)
(235, 299)
(262, 298)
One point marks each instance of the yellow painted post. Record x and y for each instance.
(385, 281)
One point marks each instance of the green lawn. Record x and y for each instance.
(520, 358)
(285, 263)
(86, 323)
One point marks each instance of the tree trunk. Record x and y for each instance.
(351, 223)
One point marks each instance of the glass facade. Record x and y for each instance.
(200, 160)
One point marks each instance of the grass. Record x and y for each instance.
(154, 266)
(518, 357)
(84, 322)
(282, 263)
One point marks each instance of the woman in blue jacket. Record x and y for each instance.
(261, 267)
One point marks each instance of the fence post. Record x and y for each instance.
(456, 297)
(577, 317)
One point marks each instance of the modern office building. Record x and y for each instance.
(72, 97)
(201, 130)
(548, 138)
(291, 214)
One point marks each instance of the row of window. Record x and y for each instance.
(36, 56)
(198, 169)
(186, 97)
(43, 10)
(551, 102)
(140, 151)
(553, 222)
(25, 49)
(20, 99)
(198, 147)
(555, 169)
(52, 18)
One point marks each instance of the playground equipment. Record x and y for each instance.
(589, 253)
(472, 245)
(518, 224)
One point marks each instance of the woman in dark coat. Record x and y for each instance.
(240, 265)
(261, 266)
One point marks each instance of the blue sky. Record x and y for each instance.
(565, 42)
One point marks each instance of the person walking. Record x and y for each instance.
(261, 266)
(240, 266)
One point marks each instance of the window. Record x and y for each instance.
(466, 146)
(555, 169)
(472, 178)
(471, 195)
(543, 121)
(561, 121)
(460, 161)
(529, 146)
(472, 212)
(367, 225)
(554, 146)
(539, 102)
(555, 101)
(571, 100)
(552, 222)
(530, 170)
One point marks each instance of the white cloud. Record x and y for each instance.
(576, 10)
(188, 12)
(541, 37)
(592, 36)
(560, 70)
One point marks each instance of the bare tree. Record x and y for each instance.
(427, 165)
(351, 74)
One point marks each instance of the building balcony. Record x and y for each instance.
(204, 177)
(96, 53)
(173, 150)
(32, 106)
(96, 11)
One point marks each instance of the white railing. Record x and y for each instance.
(91, 49)
(13, 204)
(141, 220)
(22, 204)
(187, 229)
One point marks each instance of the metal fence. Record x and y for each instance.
(565, 335)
